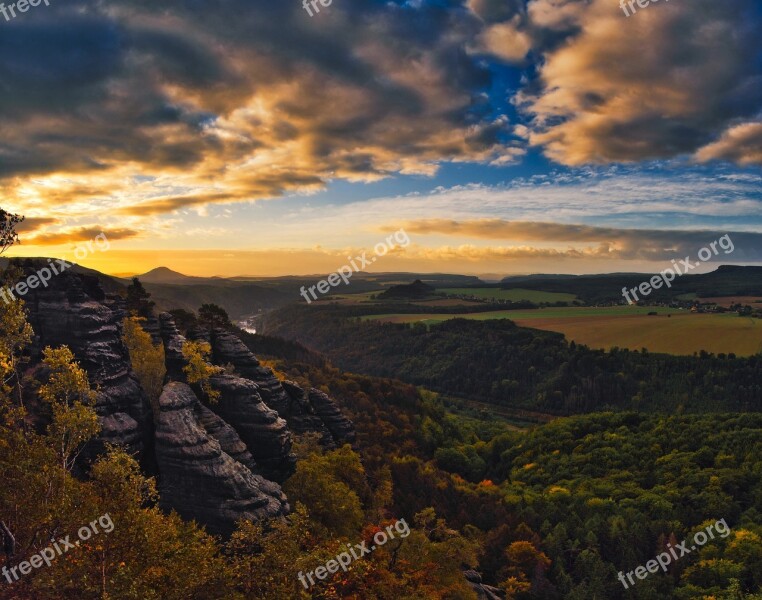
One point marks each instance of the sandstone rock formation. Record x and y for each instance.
(173, 347)
(341, 428)
(214, 463)
(197, 477)
(483, 591)
(304, 412)
(73, 310)
(265, 434)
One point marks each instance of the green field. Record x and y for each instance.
(525, 315)
(514, 294)
(626, 327)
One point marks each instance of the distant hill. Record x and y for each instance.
(166, 275)
(416, 290)
(237, 300)
(110, 284)
(727, 280)
(241, 296)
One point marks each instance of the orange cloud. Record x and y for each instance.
(78, 234)
(656, 85)
(741, 144)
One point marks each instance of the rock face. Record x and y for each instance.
(314, 411)
(304, 412)
(265, 434)
(215, 464)
(301, 416)
(341, 428)
(227, 348)
(483, 591)
(230, 443)
(198, 478)
(73, 310)
(173, 347)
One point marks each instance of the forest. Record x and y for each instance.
(560, 509)
(496, 361)
(550, 512)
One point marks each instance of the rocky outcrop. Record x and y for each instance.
(230, 442)
(341, 428)
(173, 347)
(198, 478)
(215, 463)
(301, 416)
(483, 591)
(73, 310)
(314, 411)
(304, 412)
(229, 349)
(265, 434)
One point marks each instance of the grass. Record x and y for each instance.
(514, 294)
(627, 327)
(684, 333)
(525, 315)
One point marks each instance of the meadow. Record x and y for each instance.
(627, 327)
(514, 294)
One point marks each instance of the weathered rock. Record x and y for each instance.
(206, 471)
(197, 477)
(230, 442)
(483, 591)
(301, 417)
(265, 434)
(152, 327)
(341, 428)
(173, 348)
(228, 348)
(73, 310)
(298, 408)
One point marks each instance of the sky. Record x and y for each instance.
(253, 137)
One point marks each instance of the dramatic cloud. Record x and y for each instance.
(661, 83)
(79, 234)
(239, 101)
(29, 225)
(134, 114)
(741, 144)
(506, 41)
(628, 244)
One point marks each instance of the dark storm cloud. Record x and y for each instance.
(241, 99)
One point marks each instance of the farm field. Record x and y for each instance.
(366, 297)
(514, 294)
(347, 298)
(528, 314)
(727, 301)
(628, 327)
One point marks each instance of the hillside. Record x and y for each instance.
(497, 361)
(411, 291)
(726, 280)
